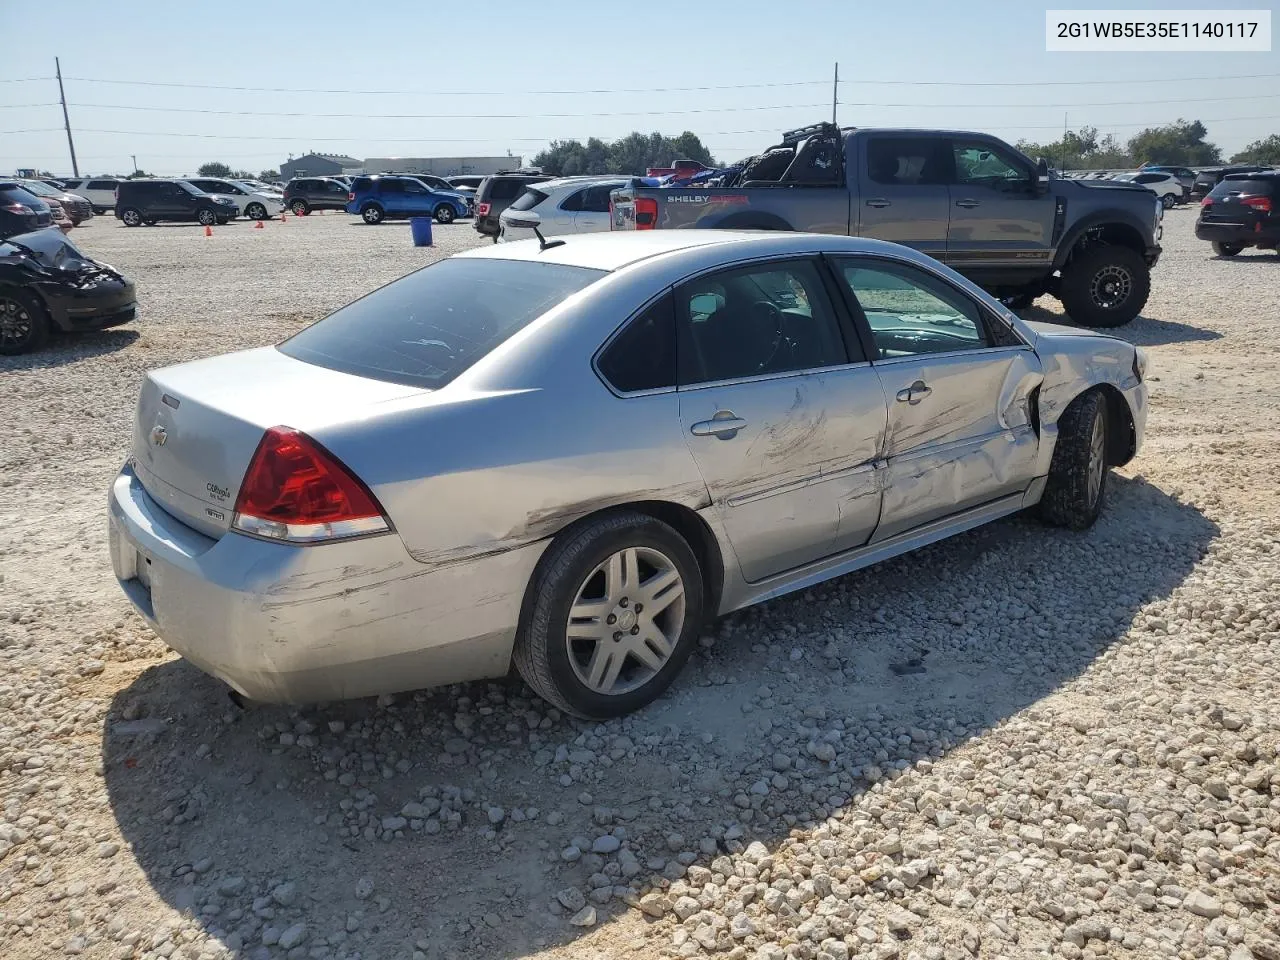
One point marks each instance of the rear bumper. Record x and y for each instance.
(1244, 233)
(489, 226)
(295, 624)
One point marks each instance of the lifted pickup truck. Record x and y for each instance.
(967, 199)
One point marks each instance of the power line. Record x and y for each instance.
(447, 116)
(453, 93)
(1058, 83)
(24, 79)
(23, 106)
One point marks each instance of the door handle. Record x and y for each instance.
(967, 203)
(724, 427)
(914, 393)
(878, 202)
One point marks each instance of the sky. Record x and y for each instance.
(485, 78)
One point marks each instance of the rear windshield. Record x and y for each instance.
(528, 200)
(504, 189)
(1262, 186)
(425, 329)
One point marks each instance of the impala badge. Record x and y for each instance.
(159, 435)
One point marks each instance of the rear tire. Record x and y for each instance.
(1077, 483)
(299, 208)
(373, 214)
(1227, 249)
(445, 213)
(131, 216)
(576, 574)
(24, 324)
(1105, 286)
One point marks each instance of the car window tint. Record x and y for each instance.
(596, 199)
(505, 189)
(757, 320)
(425, 329)
(573, 202)
(412, 186)
(390, 186)
(981, 163)
(643, 355)
(101, 185)
(1258, 187)
(911, 312)
(906, 161)
(528, 200)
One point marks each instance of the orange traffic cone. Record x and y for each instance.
(208, 231)
(258, 225)
(283, 218)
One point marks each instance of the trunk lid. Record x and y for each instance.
(198, 424)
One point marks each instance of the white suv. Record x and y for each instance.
(568, 205)
(1166, 186)
(254, 203)
(99, 191)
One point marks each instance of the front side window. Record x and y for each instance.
(412, 186)
(425, 329)
(979, 163)
(911, 312)
(754, 321)
(643, 356)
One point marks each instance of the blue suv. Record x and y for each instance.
(377, 198)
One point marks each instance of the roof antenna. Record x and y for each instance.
(544, 243)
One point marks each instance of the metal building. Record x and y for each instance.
(316, 165)
(442, 166)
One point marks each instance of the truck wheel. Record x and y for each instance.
(613, 613)
(1078, 473)
(1105, 286)
(23, 323)
(1227, 249)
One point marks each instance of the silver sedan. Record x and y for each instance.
(568, 456)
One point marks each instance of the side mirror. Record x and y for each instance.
(1042, 168)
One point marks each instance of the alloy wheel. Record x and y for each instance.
(15, 323)
(1097, 457)
(625, 620)
(1111, 286)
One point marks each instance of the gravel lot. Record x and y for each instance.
(1022, 742)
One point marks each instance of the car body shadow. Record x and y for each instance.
(65, 348)
(253, 822)
(1142, 331)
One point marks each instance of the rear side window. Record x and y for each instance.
(596, 199)
(907, 161)
(643, 356)
(102, 185)
(529, 199)
(425, 329)
(361, 183)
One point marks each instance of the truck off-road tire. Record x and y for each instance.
(1077, 481)
(1105, 286)
(24, 324)
(445, 213)
(1227, 249)
(372, 214)
(589, 640)
(131, 216)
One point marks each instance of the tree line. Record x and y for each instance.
(1182, 143)
(634, 153)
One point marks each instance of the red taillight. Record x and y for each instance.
(1207, 202)
(350, 197)
(296, 490)
(646, 213)
(19, 208)
(1258, 203)
(482, 209)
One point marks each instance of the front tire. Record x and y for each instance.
(131, 217)
(1105, 286)
(1227, 249)
(1077, 483)
(24, 325)
(445, 214)
(373, 214)
(255, 211)
(613, 613)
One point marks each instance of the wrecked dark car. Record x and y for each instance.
(47, 284)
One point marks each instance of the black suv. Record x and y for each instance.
(304, 194)
(150, 201)
(497, 193)
(1206, 180)
(1243, 210)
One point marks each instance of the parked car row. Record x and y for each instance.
(1242, 210)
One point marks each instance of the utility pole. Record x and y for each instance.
(835, 93)
(134, 158)
(75, 167)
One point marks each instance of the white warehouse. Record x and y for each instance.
(442, 166)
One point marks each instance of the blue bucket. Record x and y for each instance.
(421, 229)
